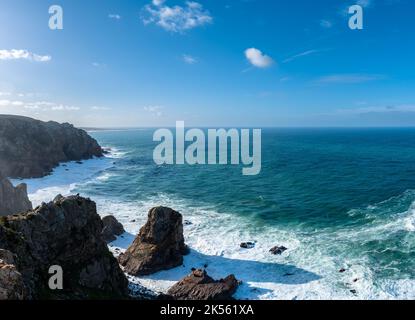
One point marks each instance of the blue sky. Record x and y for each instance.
(210, 63)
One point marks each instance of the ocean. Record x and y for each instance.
(341, 200)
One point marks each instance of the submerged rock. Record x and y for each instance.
(247, 245)
(199, 286)
(66, 233)
(112, 228)
(31, 148)
(158, 246)
(13, 199)
(277, 250)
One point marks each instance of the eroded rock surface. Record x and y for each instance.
(67, 233)
(199, 286)
(158, 246)
(112, 228)
(13, 199)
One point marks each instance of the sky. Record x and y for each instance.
(210, 63)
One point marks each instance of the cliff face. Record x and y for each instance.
(13, 199)
(67, 233)
(31, 148)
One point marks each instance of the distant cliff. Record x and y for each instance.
(13, 199)
(31, 148)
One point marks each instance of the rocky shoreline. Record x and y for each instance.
(68, 232)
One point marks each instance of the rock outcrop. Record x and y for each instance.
(31, 148)
(11, 281)
(13, 199)
(278, 250)
(158, 246)
(112, 228)
(66, 233)
(199, 286)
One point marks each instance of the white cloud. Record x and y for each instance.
(96, 108)
(62, 107)
(3, 94)
(15, 54)
(326, 24)
(154, 110)
(189, 59)
(114, 16)
(257, 58)
(176, 18)
(36, 105)
(365, 3)
(348, 78)
(377, 109)
(158, 2)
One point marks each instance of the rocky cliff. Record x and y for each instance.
(13, 199)
(31, 148)
(66, 233)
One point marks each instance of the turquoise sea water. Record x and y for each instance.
(337, 198)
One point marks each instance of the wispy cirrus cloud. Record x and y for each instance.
(365, 3)
(348, 78)
(99, 108)
(17, 54)
(302, 54)
(176, 18)
(114, 16)
(36, 105)
(406, 108)
(327, 24)
(154, 110)
(189, 59)
(258, 59)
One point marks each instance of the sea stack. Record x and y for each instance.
(13, 199)
(158, 246)
(31, 148)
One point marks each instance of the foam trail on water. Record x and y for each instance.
(63, 179)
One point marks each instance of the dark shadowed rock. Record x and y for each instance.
(31, 148)
(278, 250)
(13, 199)
(199, 286)
(158, 246)
(247, 245)
(11, 281)
(66, 233)
(112, 228)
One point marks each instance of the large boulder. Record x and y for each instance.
(112, 228)
(66, 233)
(199, 286)
(31, 148)
(13, 199)
(158, 246)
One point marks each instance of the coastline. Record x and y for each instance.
(308, 270)
(214, 240)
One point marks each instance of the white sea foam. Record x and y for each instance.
(64, 179)
(309, 269)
